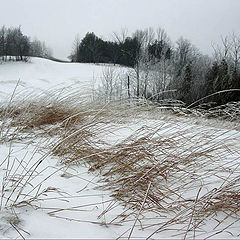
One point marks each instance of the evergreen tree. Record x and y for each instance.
(222, 82)
(2, 42)
(89, 49)
(129, 51)
(186, 87)
(211, 78)
(235, 84)
(156, 49)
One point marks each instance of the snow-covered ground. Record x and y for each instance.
(44, 75)
(63, 201)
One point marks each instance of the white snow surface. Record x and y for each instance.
(72, 208)
(40, 74)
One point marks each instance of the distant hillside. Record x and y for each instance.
(40, 74)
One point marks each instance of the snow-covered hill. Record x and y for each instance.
(162, 175)
(41, 74)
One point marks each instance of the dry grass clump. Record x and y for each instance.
(173, 160)
(44, 114)
(229, 111)
(31, 122)
(218, 207)
(78, 146)
(225, 199)
(37, 114)
(22, 180)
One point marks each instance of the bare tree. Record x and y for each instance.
(228, 50)
(223, 51)
(109, 82)
(164, 65)
(75, 49)
(120, 37)
(144, 39)
(235, 50)
(39, 49)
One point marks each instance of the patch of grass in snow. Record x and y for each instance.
(176, 159)
(167, 176)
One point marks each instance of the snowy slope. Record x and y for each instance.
(69, 205)
(41, 74)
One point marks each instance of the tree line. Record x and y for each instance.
(92, 49)
(163, 69)
(14, 45)
(159, 68)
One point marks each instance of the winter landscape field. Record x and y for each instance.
(73, 165)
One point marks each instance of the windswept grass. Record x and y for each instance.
(167, 175)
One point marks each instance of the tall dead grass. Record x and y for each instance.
(167, 176)
(176, 159)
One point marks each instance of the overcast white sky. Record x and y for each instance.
(58, 21)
